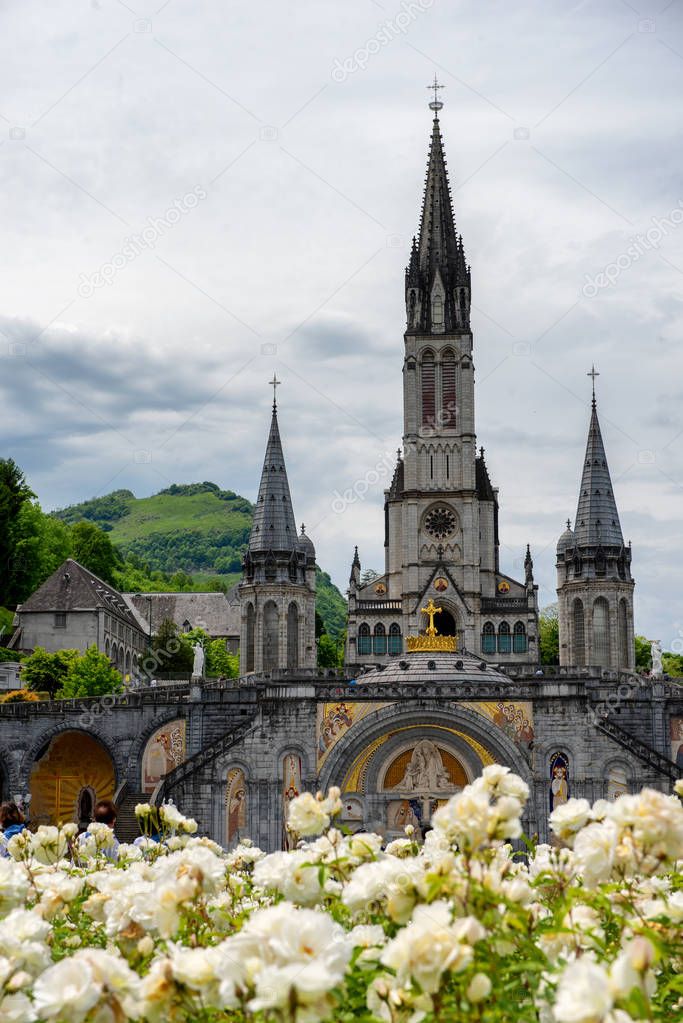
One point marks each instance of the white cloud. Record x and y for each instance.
(313, 191)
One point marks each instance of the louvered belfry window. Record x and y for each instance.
(448, 392)
(428, 390)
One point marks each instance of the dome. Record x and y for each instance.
(305, 545)
(567, 539)
(441, 668)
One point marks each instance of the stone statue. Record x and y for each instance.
(425, 772)
(198, 666)
(656, 652)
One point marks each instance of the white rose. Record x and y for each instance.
(66, 988)
(479, 988)
(595, 848)
(570, 817)
(16, 1008)
(307, 815)
(583, 994)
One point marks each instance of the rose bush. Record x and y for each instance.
(462, 927)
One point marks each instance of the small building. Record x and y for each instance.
(74, 610)
(218, 614)
(9, 676)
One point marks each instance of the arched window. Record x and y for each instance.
(600, 653)
(448, 391)
(85, 805)
(292, 636)
(270, 569)
(271, 622)
(578, 633)
(364, 639)
(428, 389)
(128, 662)
(106, 648)
(519, 638)
(504, 638)
(379, 640)
(624, 640)
(488, 638)
(250, 637)
(437, 309)
(395, 641)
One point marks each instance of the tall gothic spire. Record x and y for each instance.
(273, 527)
(437, 269)
(597, 518)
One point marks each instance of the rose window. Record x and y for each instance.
(440, 523)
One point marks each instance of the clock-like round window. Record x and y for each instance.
(440, 523)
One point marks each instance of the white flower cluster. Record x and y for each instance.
(584, 931)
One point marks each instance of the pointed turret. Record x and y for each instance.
(597, 518)
(273, 527)
(437, 277)
(277, 591)
(594, 581)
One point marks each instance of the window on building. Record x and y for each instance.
(488, 638)
(448, 391)
(379, 640)
(428, 389)
(395, 639)
(364, 639)
(519, 644)
(578, 633)
(600, 653)
(437, 310)
(624, 640)
(250, 637)
(60, 619)
(271, 635)
(504, 638)
(293, 636)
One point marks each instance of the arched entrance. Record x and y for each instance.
(71, 763)
(445, 623)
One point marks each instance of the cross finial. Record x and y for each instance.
(436, 103)
(275, 383)
(431, 610)
(593, 374)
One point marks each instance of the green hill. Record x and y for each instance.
(197, 529)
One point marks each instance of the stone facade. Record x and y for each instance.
(441, 511)
(613, 731)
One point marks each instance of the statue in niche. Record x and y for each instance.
(425, 771)
(656, 653)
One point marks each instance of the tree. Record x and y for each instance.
(90, 675)
(172, 652)
(14, 494)
(95, 551)
(672, 664)
(330, 653)
(549, 635)
(643, 654)
(46, 673)
(219, 661)
(42, 544)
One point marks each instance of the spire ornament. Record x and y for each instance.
(593, 374)
(436, 103)
(274, 383)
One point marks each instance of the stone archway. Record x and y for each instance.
(71, 762)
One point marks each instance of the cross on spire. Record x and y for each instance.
(275, 383)
(436, 103)
(593, 374)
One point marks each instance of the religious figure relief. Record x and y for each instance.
(291, 788)
(676, 727)
(165, 750)
(334, 723)
(236, 805)
(425, 771)
(559, 780)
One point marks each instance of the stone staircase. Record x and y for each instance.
(653, 758)
(126, 828)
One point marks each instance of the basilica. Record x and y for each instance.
(442, 671)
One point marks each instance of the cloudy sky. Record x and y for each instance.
(197, 194)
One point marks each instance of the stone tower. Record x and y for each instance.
(441, 510)
(277, 591)
(594, 582)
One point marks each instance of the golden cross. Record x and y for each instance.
(431, 610)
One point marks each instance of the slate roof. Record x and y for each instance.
(273, 526)
(597, 518)
(217, 613)
(73, 588)
(447, 669)
(485, 491)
